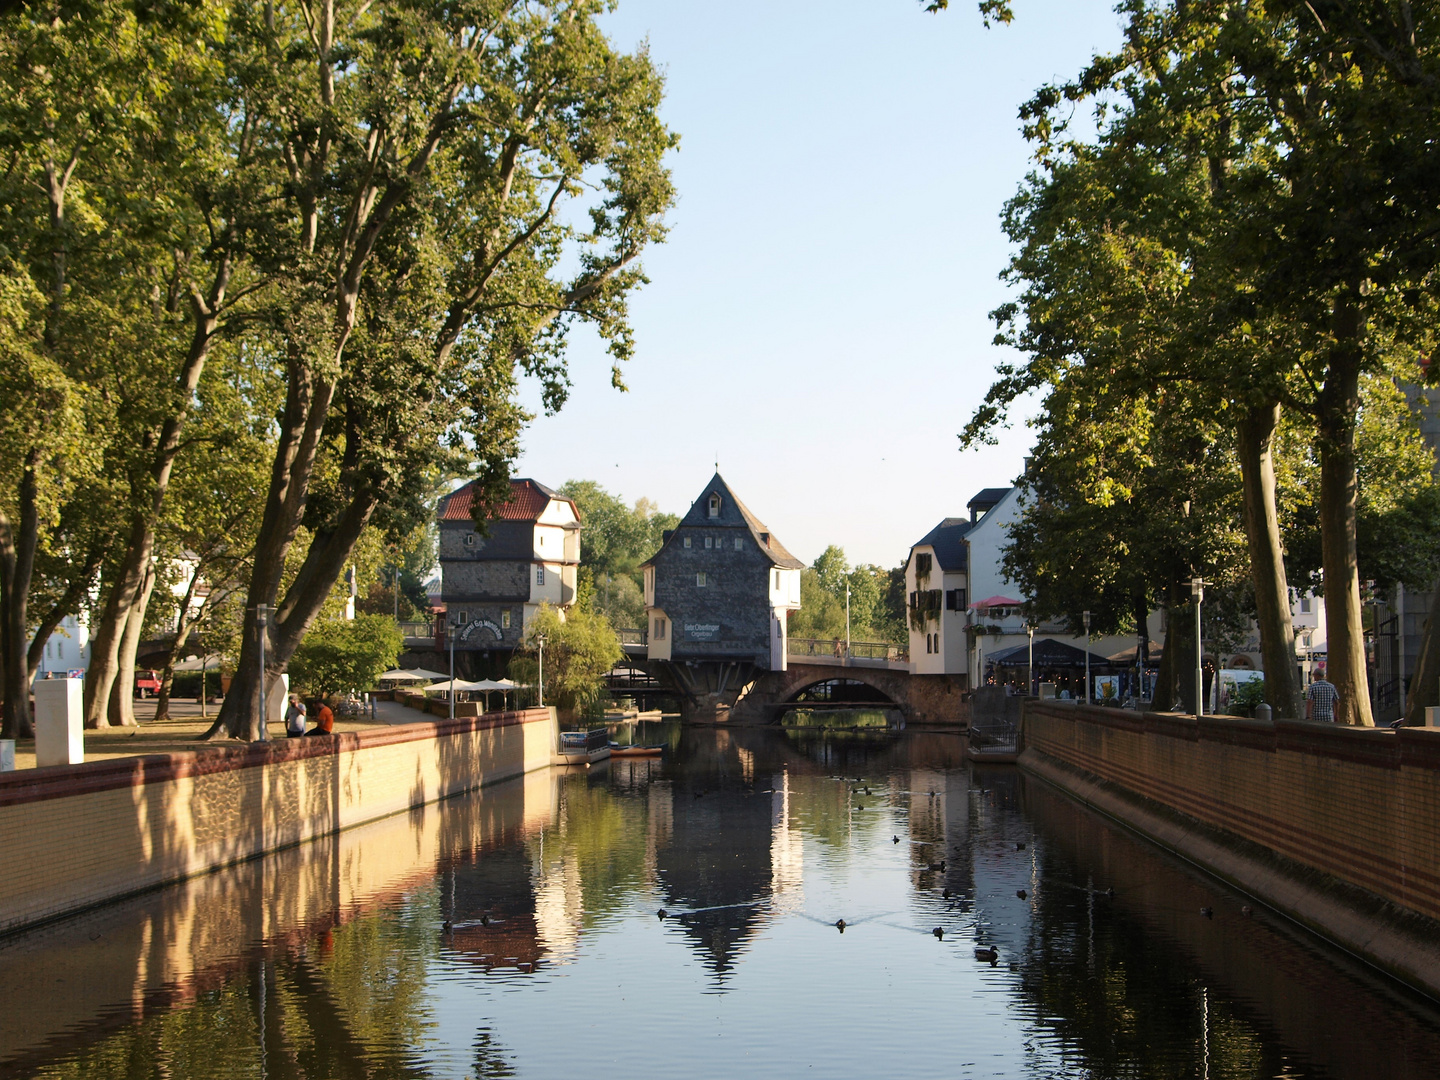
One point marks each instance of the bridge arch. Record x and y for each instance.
(840, 690)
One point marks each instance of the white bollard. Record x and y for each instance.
(276, 706)
(1432, 716)
(59, 722)
(7, 755)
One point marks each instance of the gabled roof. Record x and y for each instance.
(528, 500)
(948, 541)
(736, 515)
(987, 499)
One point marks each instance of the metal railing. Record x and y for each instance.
(857, 650)
(416, 629)
(632, 636)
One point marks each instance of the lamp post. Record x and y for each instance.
(1030, 687)
(1197, 590)
(1085, 618)
(540, 641)
(847, 622)
(450, 635)
(262, 621)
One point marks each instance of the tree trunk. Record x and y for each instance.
(1163, 699)
(104, 653)
(1425, 681)
(122, 693)
(1345, 634)
(1267, 559)
(67, 604)
(307, 404)
(124, 593)
(17, 567)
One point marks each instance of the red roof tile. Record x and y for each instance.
(527, 502)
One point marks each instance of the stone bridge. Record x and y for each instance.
(921, 699)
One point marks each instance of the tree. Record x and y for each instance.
(427, 154)
(1273, 157)
(343, 656)
(823, 587)
(615, 541)
(580, 650)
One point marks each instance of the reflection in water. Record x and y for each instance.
(515, 933)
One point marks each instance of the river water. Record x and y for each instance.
(515, 932)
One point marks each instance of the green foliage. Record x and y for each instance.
(1247, 695)
(876, 605)
(615, 540)
(346, 655)
(579, 651)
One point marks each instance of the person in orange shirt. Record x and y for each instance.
(324, 720)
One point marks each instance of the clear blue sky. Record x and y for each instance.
(818, 318)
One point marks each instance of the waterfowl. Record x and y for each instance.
(1209, 913)
(661, 913)
(894, 839)
(840, 925)
(1019, 847)
(945, 895)
(1021, 893)
(986, 953)
(939, 932)
(1245, 909)
(937, 865)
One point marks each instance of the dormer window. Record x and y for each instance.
(714, 505)
(469, 539)
(687, 541)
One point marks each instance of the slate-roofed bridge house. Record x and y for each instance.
(721, 587)
(492, 585)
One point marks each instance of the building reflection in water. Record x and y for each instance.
(345, 958)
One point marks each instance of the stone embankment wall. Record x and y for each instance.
(1337, 827)
(79, 835)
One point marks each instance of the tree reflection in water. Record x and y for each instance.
(514, 932)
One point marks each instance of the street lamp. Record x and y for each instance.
(1030, 687)
(1085, 618)
(847, 622)
(451, 628)
(1197, 590)
(262, 621)
(540, 641)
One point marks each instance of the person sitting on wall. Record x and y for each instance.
(295, 718)
(324, 719)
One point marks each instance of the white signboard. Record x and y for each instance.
(702, 631)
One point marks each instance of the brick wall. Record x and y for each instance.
(1359, 804)
(76, 836)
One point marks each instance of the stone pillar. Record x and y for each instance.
(59, 722)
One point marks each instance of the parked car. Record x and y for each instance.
(146, 683)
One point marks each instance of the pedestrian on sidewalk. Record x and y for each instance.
(1320, 700)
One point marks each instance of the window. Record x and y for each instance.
(777, 580)
(505, 619)
(687, 541)
(462, 617)
(469, 539)
(1305, 604)
(929, 638)
(739, 542)
(659, 629)
(709, 542)
(954, 599)
(714, 505)
(923, 564)
(539, 575)
(700, 579)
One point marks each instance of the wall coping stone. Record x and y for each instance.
(62, 781)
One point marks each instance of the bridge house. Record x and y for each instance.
(492, 585)
(721, 587)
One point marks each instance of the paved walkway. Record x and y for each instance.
(182, 730)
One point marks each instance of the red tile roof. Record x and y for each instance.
(527, 502)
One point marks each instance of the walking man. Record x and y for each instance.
(1320, 700)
